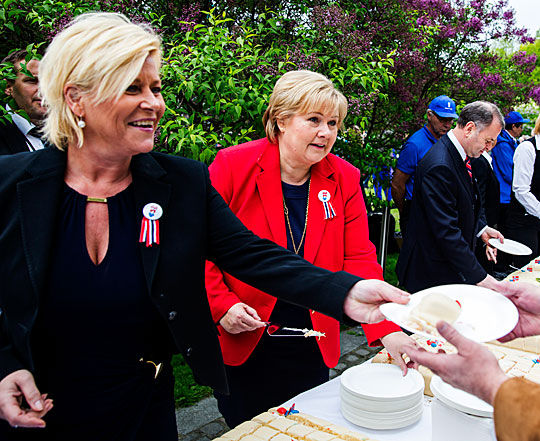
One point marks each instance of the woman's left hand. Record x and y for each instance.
(394, 344)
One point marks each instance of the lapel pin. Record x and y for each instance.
(150, 224)
(324, 197)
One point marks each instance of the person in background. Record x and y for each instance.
(503, 160)
(97, 299)
(488, 189)
(22, 135)
(446, 216)
(475, 369)
(523, 218)
(440, 115)
(289, 188)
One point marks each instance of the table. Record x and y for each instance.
(324, 402)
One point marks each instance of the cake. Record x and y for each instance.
(279, 424)
(433, 308)
(518, 358)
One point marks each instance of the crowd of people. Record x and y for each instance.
(116, 257)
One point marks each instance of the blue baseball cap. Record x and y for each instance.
(443, 106)
(515, 118)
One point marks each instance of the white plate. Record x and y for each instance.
(379, 406)
(381, 382)
(459, 399)
(382, 414)
(369, 423)
(485, 314)
(511, 247)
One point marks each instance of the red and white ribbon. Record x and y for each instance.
(324, 197)
(150, 224)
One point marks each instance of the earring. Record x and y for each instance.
(81, 122)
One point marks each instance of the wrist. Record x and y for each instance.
(495, 382)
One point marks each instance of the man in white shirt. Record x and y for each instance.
(523, 219)
(446, 216)
(22, 134)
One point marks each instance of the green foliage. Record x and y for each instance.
(186, 391)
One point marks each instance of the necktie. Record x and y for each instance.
(468, 165)
(35, 132)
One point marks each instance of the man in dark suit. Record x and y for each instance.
(446, 209)
(22, 135)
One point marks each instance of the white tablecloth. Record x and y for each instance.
(324, 402)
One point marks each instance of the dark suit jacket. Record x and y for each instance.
(445, 218)
(196, 225)
(489, 189)
(12, 140)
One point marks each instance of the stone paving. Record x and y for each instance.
(203, 422)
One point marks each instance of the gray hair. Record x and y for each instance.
(481, 113)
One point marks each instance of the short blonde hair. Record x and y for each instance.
(298, 92)
(536, 130)
(100, 53)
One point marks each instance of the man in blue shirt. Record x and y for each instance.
(503, 160)
(440, 117)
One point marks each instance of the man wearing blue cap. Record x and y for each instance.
(440, 117)
(503, 160)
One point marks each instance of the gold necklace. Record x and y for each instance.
(286, 210)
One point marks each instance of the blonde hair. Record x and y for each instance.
(100, 53)
(536, 130)
(299, 92)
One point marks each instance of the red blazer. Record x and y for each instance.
(248, 176)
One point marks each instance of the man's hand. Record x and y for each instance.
(14, 388)
(395, 344)
(526, 297)
(363, 300)
(491, 233)
(241, 318)
(489, 282)
(473, 369)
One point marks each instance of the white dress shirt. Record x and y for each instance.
(524, 159)
(25, 126)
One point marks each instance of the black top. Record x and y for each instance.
(296, 198)
(95, 322)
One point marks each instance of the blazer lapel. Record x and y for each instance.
(320, 174)
(271, 193)
(460, 168)
(42, 189)
(149, 189)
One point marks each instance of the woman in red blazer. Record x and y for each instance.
(290, 189)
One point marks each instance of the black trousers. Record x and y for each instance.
(278, 369)
(154, 419)
(404, 217)
(522, 229)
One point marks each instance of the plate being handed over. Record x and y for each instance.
(485, 314)
(510, 246)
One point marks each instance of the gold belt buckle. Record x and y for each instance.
(156, 366)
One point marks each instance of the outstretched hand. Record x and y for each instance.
(363, 300)
(473, 369)
(526, 297)
(15, 389)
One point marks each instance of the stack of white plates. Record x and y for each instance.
(378, 396)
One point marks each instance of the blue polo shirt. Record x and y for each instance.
(412, 152)
(503, 163)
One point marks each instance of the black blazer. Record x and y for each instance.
(445, 218)
(488, 188)
(196, 225)
(12, 140)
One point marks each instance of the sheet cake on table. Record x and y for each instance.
(518, 358)
(279, 424)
